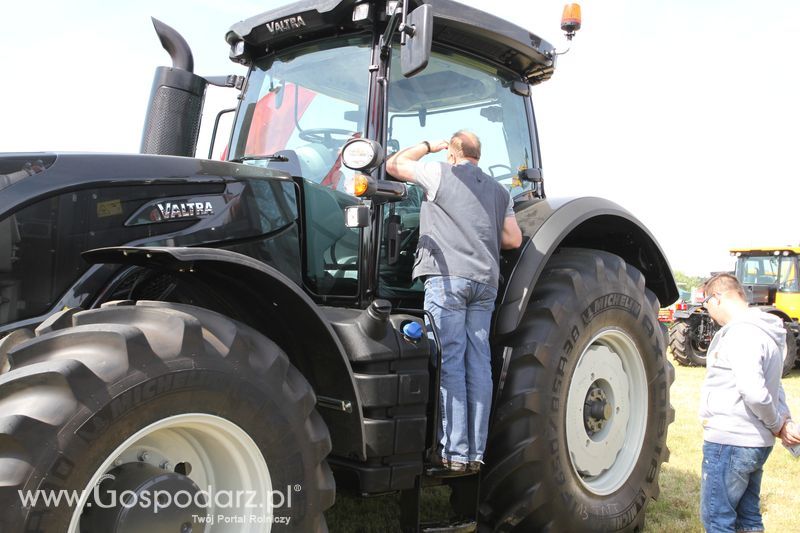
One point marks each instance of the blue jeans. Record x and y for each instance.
(463, 310)
(730, 487)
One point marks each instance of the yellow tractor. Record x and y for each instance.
(770, 279)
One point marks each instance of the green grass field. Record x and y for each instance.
(678, 507)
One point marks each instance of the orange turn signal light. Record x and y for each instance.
(360, 185)
(571, 19)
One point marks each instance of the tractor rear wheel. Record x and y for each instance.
(686, 349)
(159, 417)
(579, 432)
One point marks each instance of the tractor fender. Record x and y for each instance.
(586, 222)
(256, 290)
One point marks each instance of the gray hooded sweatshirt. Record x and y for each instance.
(742, 402)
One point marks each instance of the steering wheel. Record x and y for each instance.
(325, 136)
(491, 171)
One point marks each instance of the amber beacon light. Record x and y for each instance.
(571, 20)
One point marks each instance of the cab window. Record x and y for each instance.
(454, 92)
(302, 105)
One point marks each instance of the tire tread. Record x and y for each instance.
(512, 499)
(82, 358)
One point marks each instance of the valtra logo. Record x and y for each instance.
(178, 210)
(287, 24)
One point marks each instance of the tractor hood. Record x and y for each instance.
(27, 177)
(456, 25)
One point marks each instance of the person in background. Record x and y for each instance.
(742, 407)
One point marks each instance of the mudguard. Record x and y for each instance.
(261, 289)
(586, 222)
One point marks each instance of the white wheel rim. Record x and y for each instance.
(223, 457)
(604, 458)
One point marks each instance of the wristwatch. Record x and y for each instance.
(427, 145)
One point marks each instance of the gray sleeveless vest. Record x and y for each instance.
(461, 229)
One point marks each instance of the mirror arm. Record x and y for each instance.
(233, 81)
(405, 29)
(386, 38)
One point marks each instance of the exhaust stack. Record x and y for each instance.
(172, 123)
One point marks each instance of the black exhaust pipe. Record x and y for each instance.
(174, 43)
(173, 116)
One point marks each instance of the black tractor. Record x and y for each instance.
(197, 345)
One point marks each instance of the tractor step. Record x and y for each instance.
(460, 527)
(463, 503)
(440, 472)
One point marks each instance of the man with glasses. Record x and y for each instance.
(742, 407)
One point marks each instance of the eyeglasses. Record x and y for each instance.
(707, 298)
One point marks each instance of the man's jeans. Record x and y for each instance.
(730, 487)
(463, 312)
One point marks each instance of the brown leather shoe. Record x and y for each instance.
(474, 467)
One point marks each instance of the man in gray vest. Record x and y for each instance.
(465, 221)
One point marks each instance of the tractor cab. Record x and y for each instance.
(770, 277)
(324, 74)
(305, 99)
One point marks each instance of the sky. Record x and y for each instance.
(684, 112)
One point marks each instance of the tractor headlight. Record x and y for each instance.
(237, 49)
(361, 11)
(362, 154)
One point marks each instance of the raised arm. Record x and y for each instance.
(402, 164)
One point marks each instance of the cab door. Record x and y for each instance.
(454, 92)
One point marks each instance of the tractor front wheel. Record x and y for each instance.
(158, 417)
